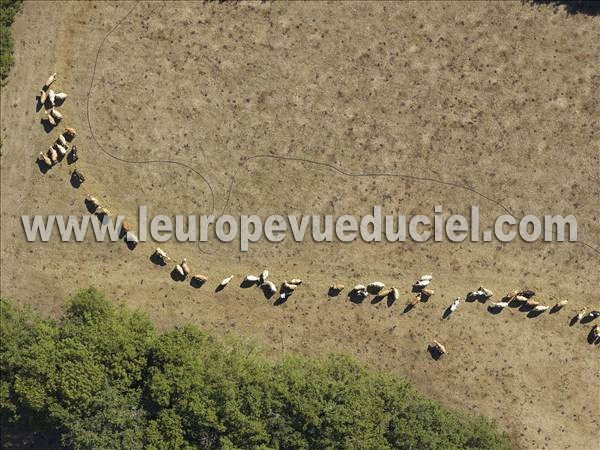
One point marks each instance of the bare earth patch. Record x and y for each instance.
(501, 97)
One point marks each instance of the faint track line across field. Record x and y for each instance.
(244, 161)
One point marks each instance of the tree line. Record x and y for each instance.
(103, 377)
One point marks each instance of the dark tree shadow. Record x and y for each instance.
(586, 7)
(434, 352)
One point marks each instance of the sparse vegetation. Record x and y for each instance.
(8, 10)
(104, 377)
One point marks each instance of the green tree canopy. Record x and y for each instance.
(103, 377)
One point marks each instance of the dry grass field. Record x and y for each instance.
(500, 97)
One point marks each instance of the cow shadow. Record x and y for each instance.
(157, 260)
(131, 245)
(586, 7)
(555, 309)
(434, 352)
(176, 276)
(447, 313)
(267, 293)
(573, 321)
(38, 103)
(390, 300)
(76, 180)
(245, 284)
(494, 310)
(333, 292)
(44, 168)
(533, 314)
(47, 126)
(281, 301)
(407, 308)
(197, 282)
(377, 299)
(220, 287)
(592, 339)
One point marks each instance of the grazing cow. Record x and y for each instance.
(359, 287)
(53, 155)
(61, 150)
(161, 255)
(520, 298)
(51, 96)
(198, 280)
(439, 347)
(62, 141)
(455, 304)
(487, 293)
(43, 96)
(61, 96)
(51, 79)
(395, 294)
(593, 314)
(532, 303)
(180, 271)
(498, 305)
(296, 281)
(93, 200)
(131, 238)
(288, 287)
(581, 313)
(55, 113)
(526, 293)
(50, 119)
(263, 276)
(421, 284)
(47, 161)
(540, 308)
(561, 304)
(384, 292)
(185, 267)
(427, 277)
(335, 289)
(225, 281)
(375, 287)
(596, 331)
(70, 133)
(252, 279)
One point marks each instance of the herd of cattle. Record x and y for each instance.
(524, 299)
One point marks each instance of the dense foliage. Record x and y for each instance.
(8, 9)
(104, 377)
